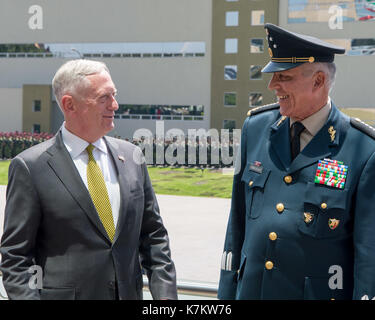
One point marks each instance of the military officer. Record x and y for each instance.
(302, 220)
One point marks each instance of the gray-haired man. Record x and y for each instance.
(81, 207)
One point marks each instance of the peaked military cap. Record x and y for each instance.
(289, 50)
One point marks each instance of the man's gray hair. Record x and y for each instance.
(72, 75)
(329, 68)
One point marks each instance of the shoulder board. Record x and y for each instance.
(364, 127)
(260, 109)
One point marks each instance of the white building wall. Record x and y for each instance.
(10, 109)
(178, 81)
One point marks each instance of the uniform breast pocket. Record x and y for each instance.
(325, 211)
(254, 191)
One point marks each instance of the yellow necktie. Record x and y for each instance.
(99, 193)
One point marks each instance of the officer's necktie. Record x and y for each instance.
(99, 193)
(295, 132)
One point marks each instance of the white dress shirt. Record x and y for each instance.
(313, 124)
(77, 150)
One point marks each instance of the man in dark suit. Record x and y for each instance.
(80, 206)
(302, 218)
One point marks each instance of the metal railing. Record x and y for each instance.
(187, 288)
(191, 288)
(159, 117)
(97, 55)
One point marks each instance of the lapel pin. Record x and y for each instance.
(332, 133)
(121, 158)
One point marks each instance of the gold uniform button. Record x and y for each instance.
(280, 207)
(323, 205)
(269, 265)
(251, 183)
(272, 236)
(288, 179)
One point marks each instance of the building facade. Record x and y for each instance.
(192, 64)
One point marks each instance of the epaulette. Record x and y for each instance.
(364, 127)
(260, 109)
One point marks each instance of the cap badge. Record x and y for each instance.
(270, 52)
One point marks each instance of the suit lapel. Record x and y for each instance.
(64, 168)
(280, 141)
(119, 161)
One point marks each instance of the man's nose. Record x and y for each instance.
(114, 104)
(272, 83)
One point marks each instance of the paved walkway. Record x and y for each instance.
(196, 228)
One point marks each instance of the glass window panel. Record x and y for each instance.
(257, 17)
(37, 105)
(255, 99)
(231, 45)
(231, 18)
(256, 45)
(36, 128)
(230, 72)
(229, 124)
(255, 72)
(230, 99)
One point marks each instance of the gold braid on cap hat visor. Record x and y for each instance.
(293, 59)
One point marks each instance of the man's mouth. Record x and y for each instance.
(281, 98)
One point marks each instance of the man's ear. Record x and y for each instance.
(67, 103)
(320, 80)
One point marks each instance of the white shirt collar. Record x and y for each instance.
(317, 120)
(77, 145)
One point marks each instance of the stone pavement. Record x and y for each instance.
(196, 228)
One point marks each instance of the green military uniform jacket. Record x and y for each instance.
(289, 237)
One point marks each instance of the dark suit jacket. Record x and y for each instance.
(50, 221)
(275, 250)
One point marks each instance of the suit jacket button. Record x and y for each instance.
(323, 205)
(288, 179)
(280, 207)
(251, 183)
(269, 265)
(272, 236)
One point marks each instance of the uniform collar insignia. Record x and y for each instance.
(332, 133)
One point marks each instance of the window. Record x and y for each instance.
(36, 128)
(257, 17)
(37, 106)
(230, 99)
(231, 45)
(229, 124)
(256, 45)
(105, 49)
(255, 72)
(231, 18)
(255, 99)
(230, 72)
